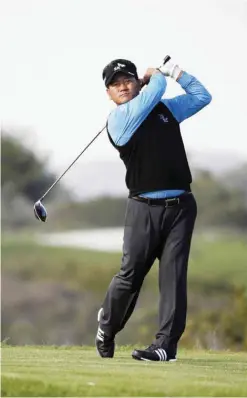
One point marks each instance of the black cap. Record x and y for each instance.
(116, 66)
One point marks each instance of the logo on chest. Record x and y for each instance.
(163, 118)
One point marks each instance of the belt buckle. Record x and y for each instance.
(177, 200)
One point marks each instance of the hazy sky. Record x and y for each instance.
(53, 53)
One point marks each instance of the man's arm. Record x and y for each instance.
(126, 118)
(186, 105)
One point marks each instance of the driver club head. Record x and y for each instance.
(40, 211)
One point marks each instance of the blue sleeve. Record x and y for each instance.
(126, 118)
(186, 105)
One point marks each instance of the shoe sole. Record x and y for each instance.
(150, 360)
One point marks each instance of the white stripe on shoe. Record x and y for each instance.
(100, 331)
(161, 353)
(164, 353)
(100, 334)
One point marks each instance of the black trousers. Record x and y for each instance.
(153, 232)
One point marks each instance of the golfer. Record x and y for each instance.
(161, 209)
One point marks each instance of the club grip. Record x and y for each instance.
(166, 59)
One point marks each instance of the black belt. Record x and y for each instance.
(169, 202)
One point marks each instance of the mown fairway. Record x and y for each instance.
(74, 371)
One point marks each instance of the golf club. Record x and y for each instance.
(39, 209)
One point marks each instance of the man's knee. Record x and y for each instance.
(131, 279)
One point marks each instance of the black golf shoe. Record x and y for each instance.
(104, 344)
(153, 353)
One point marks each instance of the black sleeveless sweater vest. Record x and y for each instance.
(155, 157)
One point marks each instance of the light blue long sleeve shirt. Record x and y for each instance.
(124, 120)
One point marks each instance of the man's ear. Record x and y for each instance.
(141, 83)
(108, 93)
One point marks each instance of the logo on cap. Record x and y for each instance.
(119, 66)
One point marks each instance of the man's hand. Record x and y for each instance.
(149, 72)
(171, 69)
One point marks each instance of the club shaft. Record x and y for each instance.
(59, 178)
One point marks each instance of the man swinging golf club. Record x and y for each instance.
(161, 209)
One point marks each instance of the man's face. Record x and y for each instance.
(123, 88)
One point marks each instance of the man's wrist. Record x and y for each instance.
(179, 75)
(157, 70)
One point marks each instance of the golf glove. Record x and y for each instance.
(170, 69)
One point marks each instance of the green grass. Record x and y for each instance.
(78, 371)
(222, 260)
